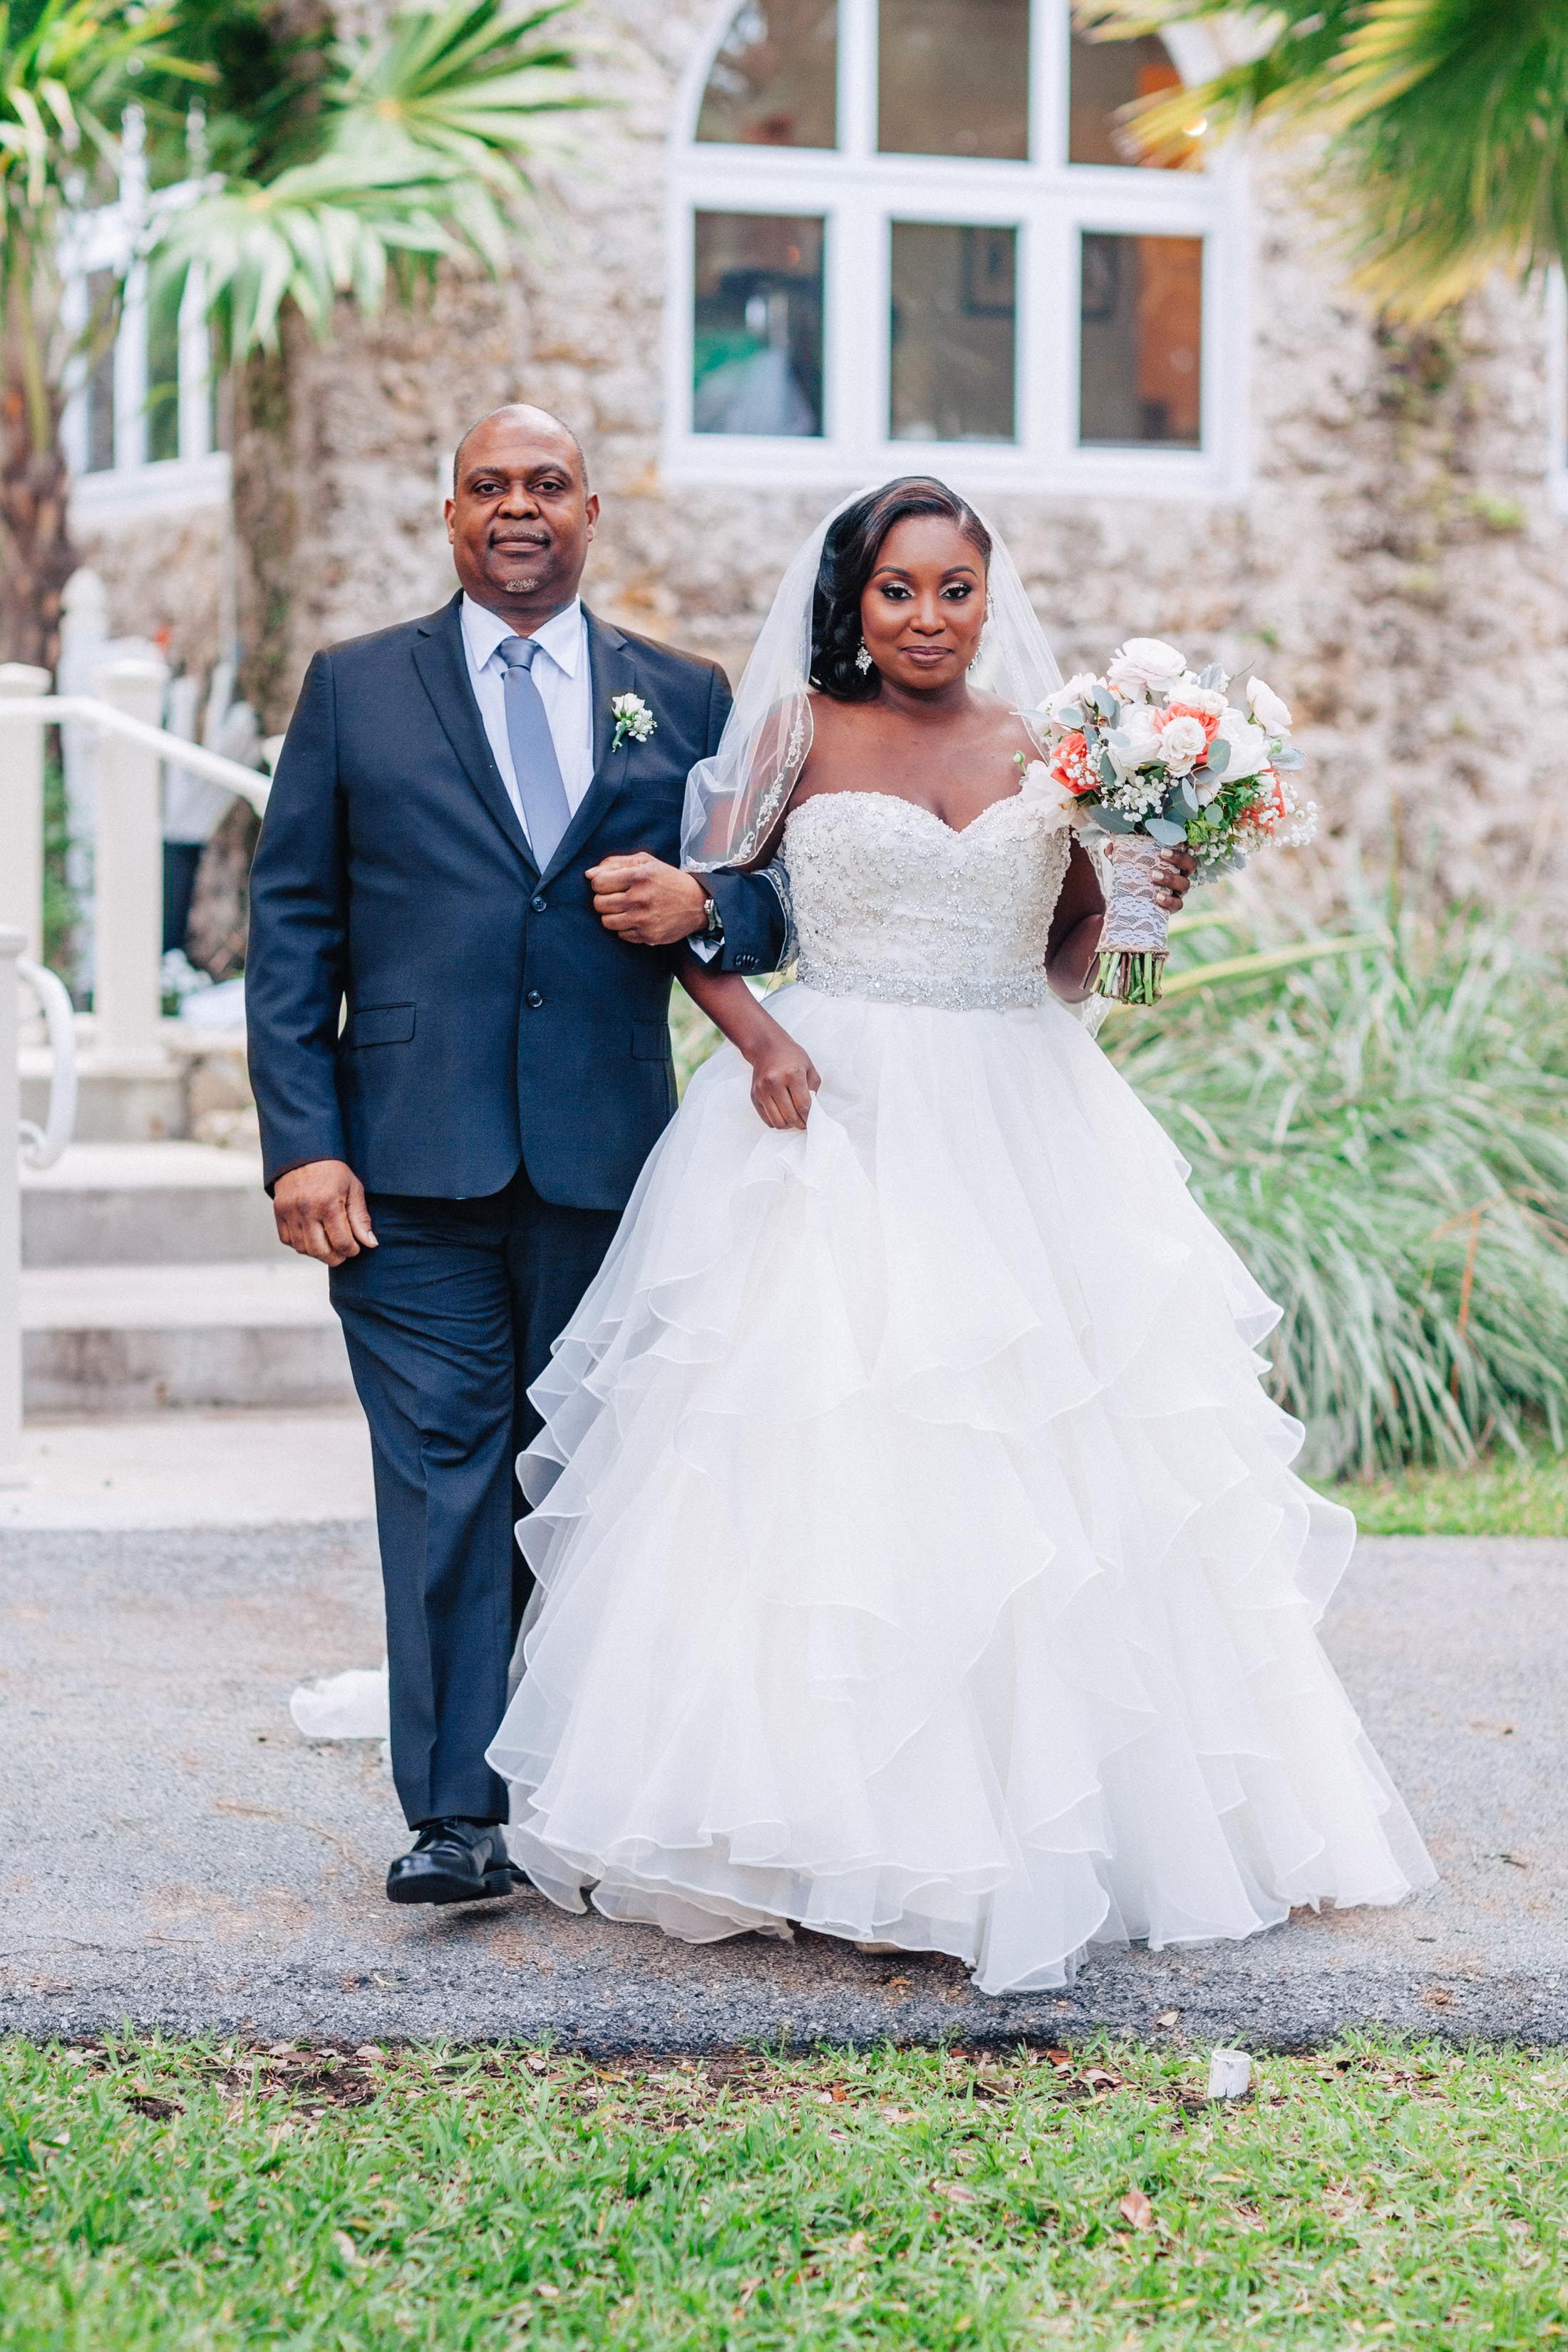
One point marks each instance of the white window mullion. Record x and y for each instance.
(73, 422)
(1056, 337)
(131, 372)
(1050, 55)
(857, 311)
(857, 77)
(195, 367)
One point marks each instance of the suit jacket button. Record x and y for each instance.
(533, 999)
(744, 963)
(538, 905)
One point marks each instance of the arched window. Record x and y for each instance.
(902, 227)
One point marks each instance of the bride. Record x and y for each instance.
(918, 1558)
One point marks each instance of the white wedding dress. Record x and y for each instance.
(918, 1555)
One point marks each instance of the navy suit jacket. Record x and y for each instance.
(422, 1001)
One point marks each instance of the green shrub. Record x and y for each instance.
(1383, 1137)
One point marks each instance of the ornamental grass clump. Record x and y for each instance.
(1382, 1135)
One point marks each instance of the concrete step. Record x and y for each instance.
(190, 1078)
(146, 1204)
(137, 1339)
(235, 1469)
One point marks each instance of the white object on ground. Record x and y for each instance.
(1230, 2074)
(220, 1007)
(352, 1706)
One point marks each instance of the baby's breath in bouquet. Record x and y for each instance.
(1156, 756)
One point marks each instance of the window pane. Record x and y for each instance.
(954, 331)
(1140, 359)
(1105, 77)
(164, 374)
(102, 291)
(953, 78)
(774, 81)
(757, 331)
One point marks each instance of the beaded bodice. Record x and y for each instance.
(891, 903)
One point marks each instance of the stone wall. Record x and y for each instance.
(1394, 566)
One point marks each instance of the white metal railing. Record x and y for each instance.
(41, 1147)
(128, 851)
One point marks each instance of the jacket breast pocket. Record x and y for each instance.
(650, 1041)
(380, 1025)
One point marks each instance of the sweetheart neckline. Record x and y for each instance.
(867, 792)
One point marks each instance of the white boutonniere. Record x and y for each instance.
(634, 722)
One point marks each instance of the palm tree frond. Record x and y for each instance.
(427, 132)
(1449, 118)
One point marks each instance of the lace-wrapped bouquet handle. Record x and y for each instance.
(1158, 757)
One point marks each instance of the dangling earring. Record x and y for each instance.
(863, 659)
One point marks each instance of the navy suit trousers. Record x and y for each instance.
(447, 1324)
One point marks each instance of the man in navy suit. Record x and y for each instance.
(463, 908)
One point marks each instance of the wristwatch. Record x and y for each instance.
(712, 922)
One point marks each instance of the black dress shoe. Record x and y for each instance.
(453, 1861)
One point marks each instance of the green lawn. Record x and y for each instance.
(1500, 1497)
(172, 2197)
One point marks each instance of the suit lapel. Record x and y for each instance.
(442, 666)
(611, 671)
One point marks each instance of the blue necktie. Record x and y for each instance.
(540, 788)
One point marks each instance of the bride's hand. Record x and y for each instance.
(783, 1079)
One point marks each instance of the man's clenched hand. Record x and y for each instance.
(645, 901)
(320, 1210)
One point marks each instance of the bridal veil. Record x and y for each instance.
(733, 798)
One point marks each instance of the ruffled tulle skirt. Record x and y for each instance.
(918, 1555)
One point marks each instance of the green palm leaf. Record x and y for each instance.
(1448, 118)
(1381, 1132)
(429, 132)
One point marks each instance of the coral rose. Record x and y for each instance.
(1270, 807)
(1184, 739)
(1208, 720)
(1070, 768)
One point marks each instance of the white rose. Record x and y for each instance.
(1039, 784)
(1140, 742)
(1143, 668)
(1182, 743)
(1206, 698)
(1248, 746)
(1272, 715)
(1071, 697)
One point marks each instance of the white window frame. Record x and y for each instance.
(112, 237)
(857, 192)
(1556, 310)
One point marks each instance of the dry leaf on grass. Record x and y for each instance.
(1136, 2208)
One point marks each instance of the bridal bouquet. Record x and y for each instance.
(1155, 755)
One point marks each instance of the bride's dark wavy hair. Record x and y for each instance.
(849, 554)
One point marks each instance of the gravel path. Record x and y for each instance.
(174, 1854)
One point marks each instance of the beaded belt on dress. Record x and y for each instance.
(946, 992)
